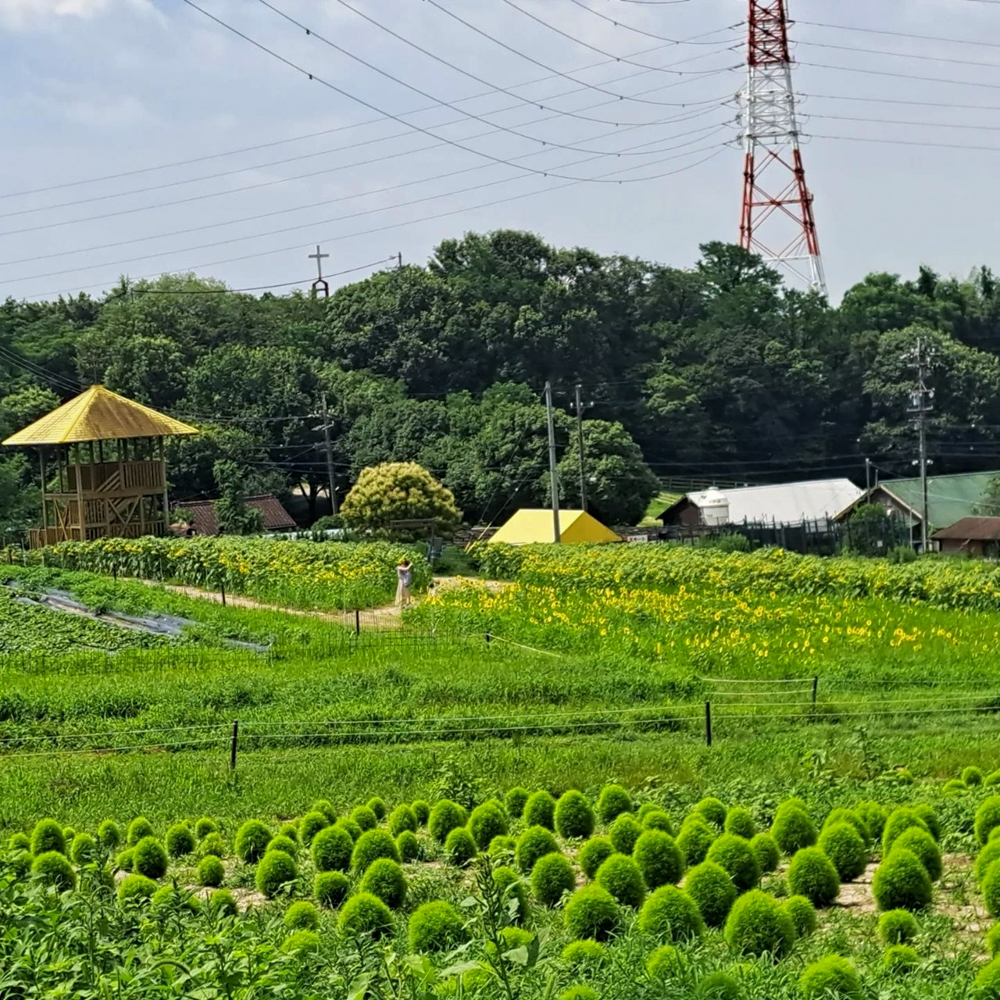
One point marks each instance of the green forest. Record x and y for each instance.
(716, 372)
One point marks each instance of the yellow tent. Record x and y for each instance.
(527, 527)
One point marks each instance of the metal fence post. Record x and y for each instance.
(708, 723)
(232, 747)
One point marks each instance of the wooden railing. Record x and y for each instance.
(114, 477)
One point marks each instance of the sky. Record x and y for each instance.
(143, 137)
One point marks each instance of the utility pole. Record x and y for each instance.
(331, 475)
(553, 475)
(920, 406)
(579, 435)
(868, 474)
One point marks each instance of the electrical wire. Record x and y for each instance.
(897, 76)
(899, 55)
(652, 34)
(895, 34)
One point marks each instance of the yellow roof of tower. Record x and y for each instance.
(528, 527)
(98, 414)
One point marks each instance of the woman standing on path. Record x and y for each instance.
(404, 576)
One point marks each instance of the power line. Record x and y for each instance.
(642, 31)
(898, 76)
(900, 55)
(896, 34)
(896, 121)
(907, 142)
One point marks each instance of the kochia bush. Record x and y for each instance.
(402, 818)
(534, 843)
(512, 888)
(713, 892)
(593, 854)
(812, 874)
(591, 913)
(740, 822)
(712, 811)
(301, 916)
(767, 852)
(659, 859)
(408, 846)
(459, 847)
(275, 873)
(445, 816)
(310, 825)
(540, 810)
(365, 914)
(622, 877)
(899, 820)
(83, 850)
(515, 801)
(671, 915)
(612, 802)
(624, 833)
(901, 882)
(149, 858)
(987, 818)
(109, 834)
(139, 829)
(252, 839)
(332, 848)
(551, 877)
(574, 816)
(758, 925)
(924, 847)
(735, 855)
(486, 822)
(47, 836)
(53, 868)
(331, 889)
(793, 829)
(211, 871)
(897, 927)
(831, 978)
(385, 879)
(802, 913)
(436, 926)
(135, 887)
(843, 845)
(372, 845)
(179, 840)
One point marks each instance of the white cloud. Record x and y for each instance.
(35, 13)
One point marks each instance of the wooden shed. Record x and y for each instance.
(978, 537)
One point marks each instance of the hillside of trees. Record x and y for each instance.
(717, 372)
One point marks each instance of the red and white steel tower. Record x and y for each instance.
(777, 220)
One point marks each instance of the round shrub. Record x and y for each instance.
(179, 840)
(900, 959)
(222, 904)
(212, 844)
(812, 874)
(993, 941)
(843, 845)
(901, 882)
(586, 953)
(670, 914)
(972, 776)
(138, 829)
(551, 877)
(372, 845)
(275, 872)
(386, 880)
(899, 820)
(758, 925)
(69, 833)
(790, 803)
(831, 978)
(378, 807)
(502, 847)
(924, 847)
(987, 818)
(402, 818)
(486, 822)
(211, 871)
(331, 889)
(954, 787)
(622, 877)
(364, 913)
(987, 856)
(740, 822)
(767, 852)
(987, 985)
(991, 889)
(83, 850)
(124, 860)
(135, 887)
(874, 816)
(204, 826)
(252, 839)
(174, 899)
(310, 825)
(436, 926)
(350, 828)
(612, 802)
(149, 858)
(47, 836)
(301, 942)
(282, 843)
(109, 834)
(736, 857)
(659, 859)
(364, 818)
(302, 916)
(422, 810)
(540, 810)
(53, 868)
(712, 811)
(624, 833)
(713, 892)
(593, 854)
(19, 842)
(511, 887)
(291, 831)
(19, 863)
(897, 927)
(408, 847)
(459, 847)
(574, 816)
(694, 840)
(849, 816)
(579, 992)
(514, 802)
(718, 986)
(793, 829)
(992, 779)
(332, 848)
(927, 814)
(658, 819)
(802, 915)
(445, 817)
(663, 964)
(534, 843)
(591, 913)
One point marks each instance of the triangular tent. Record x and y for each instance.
(528, 527)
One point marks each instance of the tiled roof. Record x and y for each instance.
(276, 518)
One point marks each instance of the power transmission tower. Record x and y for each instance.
(920, 406)
(777, 219)
(553, 470)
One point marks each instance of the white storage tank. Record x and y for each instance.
(714, 506)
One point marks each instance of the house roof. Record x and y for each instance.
(98, 414)
(529, 526)
(783, 503)
(276, 518)
(971, 529)
(949, 498)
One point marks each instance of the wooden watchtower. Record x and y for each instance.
(105, 456)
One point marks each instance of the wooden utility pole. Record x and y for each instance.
(331, 474)
(920, 406)
(553, 474)
(579, 434)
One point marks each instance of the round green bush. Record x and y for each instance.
(19, 842)
(851, 817)
(624, 833)
(445, 817)
(591, 912)
(179, 840)
(212, 844)
(276, 872)
(331, 889)
(579, 992)
(436, 926)
(47, 836)
(310, 825)
(53, 868)
(991, 889)
(992, 779)
(740, 822)
(291, 831)
(575, 818)
(408, 846)
(586, 953)
(486, 822)
(924, 847)
(900, 959)
(252, 839)
(350, 828)
(593, 854)
(402, 818)
(282, 843)
(378, 807)
(987, 856)
(211, 871)
(972, 776)
(364, 818)
(658, 819)
(459, 847)
(713, 892)
(301, 942)
(19, 863)
(385, 879)
(767, 852)
(511, 887)
(422, 810)
(954, 787)
(987, 985)
(993, 941)
(204, 826)
(83, 850)
(332, 848)
(843, 845)
(712, 811)
(758, 925)
(987, 818)
(831, 978)
(622, 877)
(897, 927)
(149, 858)
(503, 847)
(694, 840)
(663, 964)
(325, 806)
(302, 916)
(124, 860)
(372, 845)
(899, 820)
(927, 814)
(551, 877)
(135, 887)
(802, 915)
(540, 810)
(612, 802)
(736, 857)
(670, 914)
(222, 903)
(874, 816)
(139, 829)
(174, 899)
(718, 986)
(69, 833)
(790, 803)
(901, 882)
(109, 834)
(793, 829)
(659, 859)
(812, 874)
(365, 914)
(514, 802)
(534, 843)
